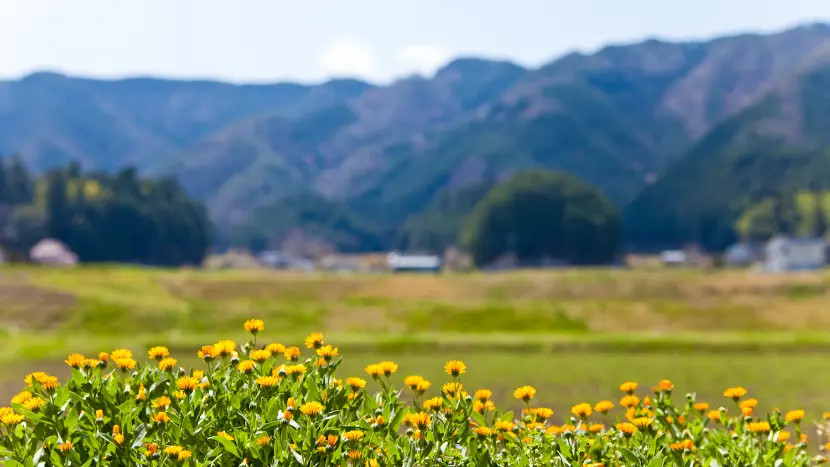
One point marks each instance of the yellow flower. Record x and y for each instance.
(483, 395)
(225, 347)
(582, 410)
(758, 427)
(161, 417)
(701, 406)
(433, 404)
(268, 381)
(260, 356)
(75, 360)
(685, 445)
(629, 387)
(626, 428)
(412, 381)
(173, 450)
(541, 413)
(525, 393)
(254, 326)
(327, 352)
(387, 368)
(354, 455)
(65, 447)
(311, 408)
(8, 417)
(22, 397)
(162, 402)
(125, 364)
(735, 393)
(751, 403)
(246, 366)
(207, 353)
(118, 438)
(292, 354)
(167, 364)
(356, 383)
(452, 389)
(184, 455)
(746, 411)
(484, 432)
(118, 353)
(104, 357)
(480, 407)
(604, 407)
(782, 436)
(263, 440)
(99, 415)
(294, 369)
(142, 393)
(314, 340)
(372, 463)
(596, 427)
(275, 348)
(455, 368)
(714, 415)
(91, 363)
(187, 384)
(419, 420)
(49, 383)
(505, 425)
(795, 416)
(630, 401)
(353, 435)
(665, 385)
(222, 434)
(642, 422)
(158, 353)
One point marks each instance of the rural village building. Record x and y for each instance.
(413, 263)
(783, 253)
(52, 252)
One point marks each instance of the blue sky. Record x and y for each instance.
(378, 40)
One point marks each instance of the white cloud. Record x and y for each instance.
(423, 59)
(348, 57)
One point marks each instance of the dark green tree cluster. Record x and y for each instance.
(104, 217)
(802, 214)
(543, 215)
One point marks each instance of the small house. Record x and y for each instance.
(413, 263)
(52, 252)
(673, 258)
(783, 253)
(742, 254)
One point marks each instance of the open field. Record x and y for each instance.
(574, 334)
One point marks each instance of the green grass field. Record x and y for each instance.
(574, 334)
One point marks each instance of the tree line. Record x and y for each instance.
(102, 217)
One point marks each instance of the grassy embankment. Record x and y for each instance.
(574, 334)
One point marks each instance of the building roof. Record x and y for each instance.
(396, 261)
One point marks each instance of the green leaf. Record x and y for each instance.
(629, 456)
(296, 455)
(228, 445)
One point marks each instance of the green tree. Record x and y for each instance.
(539, 215)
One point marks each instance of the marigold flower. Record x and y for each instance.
(119, 353)
(480, 407)
(167, 364)
(173, 450)
(604, 407)
(714, 415)
(685, 445)
(751, 403)
(356, 384)
(665, 385)
(525, 393)
(354, 455)
(746, 411)
(433, 404)
(225, 347)
(187, 384)
(314, 340)
(372, 463)
(596, 427)
(118, 439)
(259, 355)
(49, 383)
(268, 381)
(412, 381)
(541, 413)
(626, 428)
(452, 389)
(483, 395)
(207, 353)
(91, 363)
(263, 440)
(387, 368)
(161, 417)
(582, 410)
(158, 353)
(222, 434)
(65, 447)
(455, 368)
(292, 354)
(99, 415)
(152, 448)
(294, 369)
(327, 352)
(246, 366)
(373, 370)
(311, 408)
(22, 397)
(758, 427)
(629, 387)
(419, 420)
(701, 406)
(275, 348)
(8, 417)
(782, 436)
(162, 402)
(254, 326)
(75, 360)
(504, 425)
(125, 364)
(484, 432)
(142, 393)
(642, 422)
(794, 416)
(104, 357)
(184, 455)
(630, 401)
(735, 393)
(352, 435)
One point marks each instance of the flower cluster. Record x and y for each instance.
(265, 405)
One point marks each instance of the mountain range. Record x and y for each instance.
(681, 136)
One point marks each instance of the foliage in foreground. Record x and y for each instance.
(261, 405)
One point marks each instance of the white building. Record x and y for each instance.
(673, 258)
(52, 252)
(413, 263)
(794, 254)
